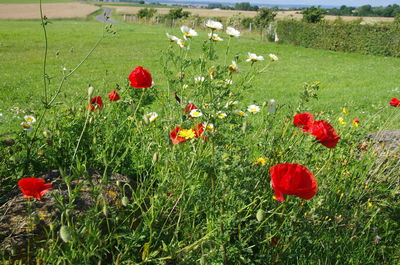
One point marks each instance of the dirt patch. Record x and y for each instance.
(229, 13)
(51, 10)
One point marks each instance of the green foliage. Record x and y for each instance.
(347, 37)
(245, 23)
(245, 6)
(264, 17)
(178, 13)
(146, 13)
(313, 14)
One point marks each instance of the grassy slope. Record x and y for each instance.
(364, 83)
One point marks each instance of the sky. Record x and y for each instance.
(314, 2)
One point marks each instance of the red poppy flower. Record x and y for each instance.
(325, 133)
(190, 107)
(293, 179)
(140, 78)
(199, 130)
(33, 187)
(113, 96)
(304, 121)
(395, 102)
(96, 103)
(173, 135)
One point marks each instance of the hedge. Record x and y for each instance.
(382, 39)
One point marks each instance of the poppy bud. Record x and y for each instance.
(90, 91)
(155, 157)
(260, 215)
(125, 201)
(65, 234)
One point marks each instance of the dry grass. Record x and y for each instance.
(51, 10)
(229, 13)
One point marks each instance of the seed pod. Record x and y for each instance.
(65, 234)
(155, 157)
(244, 127)
(125, 201)
(260, 215)
(105, 210)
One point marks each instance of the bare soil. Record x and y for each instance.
(51, 10)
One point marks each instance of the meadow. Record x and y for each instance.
(202, 196)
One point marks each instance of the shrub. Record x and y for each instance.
(146, 13)
(313, 14)
(177, 13)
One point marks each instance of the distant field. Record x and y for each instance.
(51, 10)
(229, 13)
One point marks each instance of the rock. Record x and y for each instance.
(384, 144)
(22, 218)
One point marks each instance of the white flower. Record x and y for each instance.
(182, 44)
(253, 109)
(252, 57)
(26, 126)
(172, 38)
(199, 79)
(188, 32)
(228, 82)
(233, 67)
(232, 32)
(241, 113)
(152, 116)
(209, 127)
(231, 103)
(1, 116)
(214, 25)
(47, 133)
(221, 115)
(273, 57)
(185, 86)
(195, 113)
(214, 37)
(30, 119)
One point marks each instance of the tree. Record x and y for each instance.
(313, 14)
(177, 13)
(264, 17)
(146, 13)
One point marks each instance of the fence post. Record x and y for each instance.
(250, 27)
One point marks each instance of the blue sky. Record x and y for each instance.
(314, 2)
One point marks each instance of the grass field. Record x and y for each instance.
(206, 199)
(363, 83)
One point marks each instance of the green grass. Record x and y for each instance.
(198, 202)
(33, 1)
(363, 83)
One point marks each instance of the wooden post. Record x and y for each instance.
(250, 27)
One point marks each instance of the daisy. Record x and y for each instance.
(231, 103)
(182, 44)
(253, 109)
(232, 32)
(199, 79)
(252, 57)
(273, 57)
(241, 113)
(221, 115)
(26, 126)
(195, 113)
(30, 119)
(214, 25)
(172, 38)
(228, 82)
(47, 133)
(188, 32)
(208, 126)
(214, 37)
(152, 116)
(233, 68)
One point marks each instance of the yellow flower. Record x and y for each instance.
(26, 126)
(30, 119)
(47, 133)
(260, 160)
(241, 113)
(233, 68)
(187, 134)
(341, 121)
(221, 115)
(345, 111)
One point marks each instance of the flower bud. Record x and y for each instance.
(125, 201)
(105, 210)
(155, 157)
(90, 91)
(65, 234)
(260, 215)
